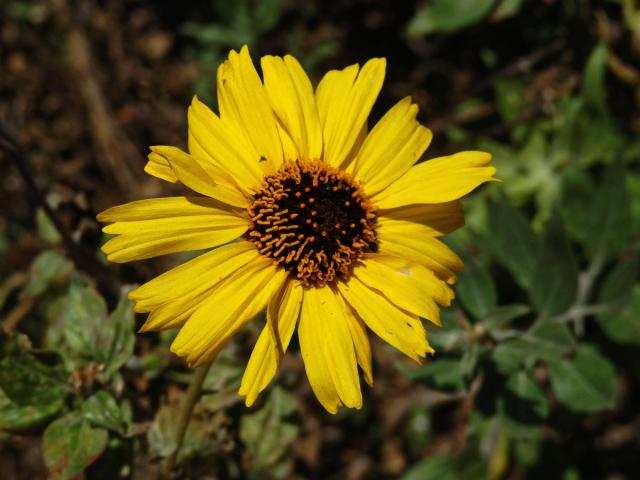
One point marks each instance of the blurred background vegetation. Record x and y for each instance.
(538, 362)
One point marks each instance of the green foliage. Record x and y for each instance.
(448, 16)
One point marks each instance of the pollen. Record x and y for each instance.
(298, 218)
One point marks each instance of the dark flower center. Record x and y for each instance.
(313, 220)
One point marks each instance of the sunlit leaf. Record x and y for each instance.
(70, 445)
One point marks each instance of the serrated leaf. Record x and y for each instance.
(46, 269)
(555, 277)
(515, 244)
(268, 436)
(586, 383)
(475, 288)
(102, 410)
(624, 326)
(448, 16)
(26, 379)
(548, 341)
(70, 445)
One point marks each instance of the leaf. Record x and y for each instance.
(506, 9)
(46, 229)
(475, 288)
(448, 16)
(266, 15)
(48, 268)
(442, 372)
(624, 326)
(432, 468)
(555, 278)
(26, 379)
(119, 337)
(449, 335)
(586, 383)
(594, 89)
(70, 445)
(268, 436)
(547, 340)
(510, 98)
(617, 286)
(83, 321)
(500, 316)
(21, 418)
(102, 410)
(610, 214)
(524, 406)
(515, 244)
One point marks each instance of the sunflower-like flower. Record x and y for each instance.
(325, 225)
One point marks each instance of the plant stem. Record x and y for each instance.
(186, 409)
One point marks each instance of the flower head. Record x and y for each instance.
(327, 226)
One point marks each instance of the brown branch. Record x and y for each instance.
(83, 258)
(116, 152)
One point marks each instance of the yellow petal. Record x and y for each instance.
(291, 96)
(193, 277)
(393, 146)
(361, 344)
(438, 180)
(149, 228)
(408, 285)
(234, 302)
(282, 315)
(159, 167)
(393, 325)
(416, 243)
(327, 350)
(439, 218)
(244, 104)
(201, 177)
(215, 141)
(173, 314)
(344, 103)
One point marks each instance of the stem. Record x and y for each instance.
(192, 397)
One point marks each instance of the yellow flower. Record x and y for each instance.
(327, 226)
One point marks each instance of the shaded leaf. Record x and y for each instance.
(500, 317)
(555, 277)
(48, 268)
(268, 436)
(102, 410)
(475, 288)
(586, 383)
(547, 341)
(524, 406)
(70, 445)
(448, 16)
(20, 418)
(432, 468)
(624, 326)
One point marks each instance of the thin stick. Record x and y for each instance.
(186, 410)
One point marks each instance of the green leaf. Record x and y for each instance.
(49, 267)
(548, 341)
(27, 379)
(20, 418)
(510, 97)
(70, 445)
(515, 244)
(266, 15)
(475, 288)
(610, 214)
(624, 326)
(586, 383)
(617, 286)
(500, 317)
(432, 468)
(594, 89)
(449, 335)
(555, 278)
(442, 372)
(268, 436)
(46, 229)
(448, 16)
(102, 410)
(506, 9)
(118, 337)
(524, 406)
(84, 318)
